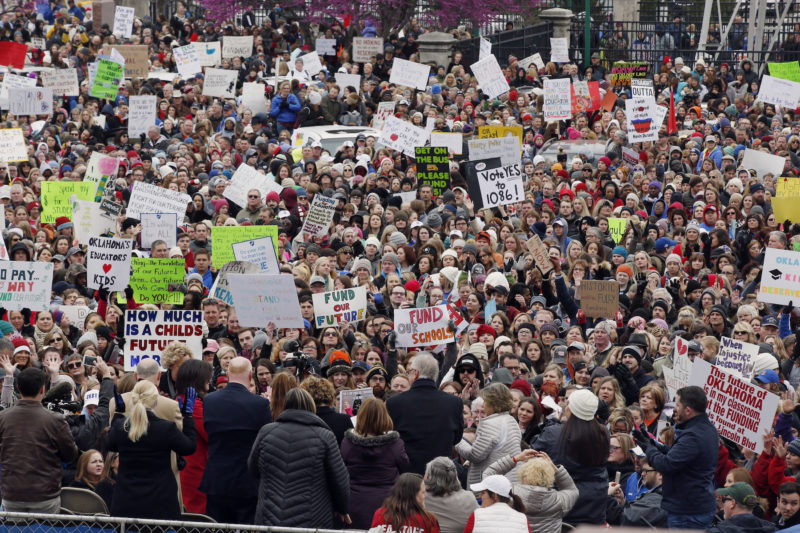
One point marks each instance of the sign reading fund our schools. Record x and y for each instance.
(148, 333)
(433, 167)
(498, 184)
(334, 307)
(423, 327)
(25, 285)
(780, 281)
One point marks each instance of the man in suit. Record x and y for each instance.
(429, 421)
(232, 417)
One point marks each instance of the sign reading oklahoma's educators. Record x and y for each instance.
(25, 284)
(334, 307)
(148, 333)
(427, 326)
(109, 263)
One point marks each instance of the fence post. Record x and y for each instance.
(436, 47)
(561, 19)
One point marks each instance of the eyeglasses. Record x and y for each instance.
(468, 371)
(330, 334)
(252, 196)
(647, 470)
(75, 365)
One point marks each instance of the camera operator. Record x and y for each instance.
(304, 365)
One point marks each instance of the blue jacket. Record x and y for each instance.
(688, 467)
(288, 115)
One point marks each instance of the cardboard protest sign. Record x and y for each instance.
(108, 264)
(136, 56)
(148, 333)
(107, 79)
(187, 61)
(781, 274)
(103, 12)
(159, 227)
(485, 49)
(427, 326)
(253, 97)
(737, 357)
(99, 171)
(325, 47)
(557, 103)
(740, 411)
(789, 70)
(61, 81)
(245, 179)
(508, 149)
(320, 215)
(409, 74)
(90, 221)
(365, 48)
(221, 288)
(56, 198)
(12, 146)
(780, 92)
(491, 79)
(763, 163)
(260, 252)
(623, 71)
(76, 314)
(600, 299)
(640, 113)
(453, 142)
(223, 238)
(220, 82)
(585, 96)
(349, 80)
(234, 46)
(261, 299)
(385, 110)
(209, 54)
(349, 400)
(400, 135)
(156, 281)
(147, 198)
(142, 114)
(433, 168)
(617, 228)
(25, 284)
(123, 21)
(13, 81)
(334, 307)
(491, 183)
(30, 101)
(559, 49)
(541, 257)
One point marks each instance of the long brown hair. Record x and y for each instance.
(281, 385)
(401, 507)
(373, 418)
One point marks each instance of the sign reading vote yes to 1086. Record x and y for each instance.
(499, 184)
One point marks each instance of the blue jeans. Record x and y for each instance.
(690, 521)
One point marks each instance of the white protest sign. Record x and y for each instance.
(500, 184)
(365, 48)
(108, 264)
(781, 273)
(406, 197)
(334, 307)
(100, 170)
(385, 110)
(31, 101)
(245, 179)
(409, 74)
(12, 146)
(76, 313)
(141, 115)
(62, 81)
(261, 299)
(187, 61)
(557, 99)
(38, 43)
(349, 80)
(221, 289)
(763, 162)
(485, 49)
(90, 221)
(320, 216)
(535, 59)
(780, 92)
(147, 198)
(642, 88)
(508, 149)
(559, 49)
(640, 114)
(233, 46)
(148, 333)
(349, 401)
(681, 364)
(402, 136)
(25, 284)
(3, 249)
(740, 411)
(159, 227)
(123, 21)
(427, 326)
(260, 252)
(13, 81)
(454, 142)
(253, 97)
(220, 82)
(737, 358)
(490, 77)
(325, 47)
(311, 63)
(209, 54)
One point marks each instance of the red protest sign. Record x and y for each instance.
(585, 96)
(13, 54)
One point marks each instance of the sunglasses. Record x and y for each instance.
(252, 196)
(330, 334)
(74, 365)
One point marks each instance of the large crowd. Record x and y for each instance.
(536, 415)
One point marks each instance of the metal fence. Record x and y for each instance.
(519, 43)
(36, 523)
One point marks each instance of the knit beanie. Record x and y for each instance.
(583, 404)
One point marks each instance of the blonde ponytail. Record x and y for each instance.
(144, 397)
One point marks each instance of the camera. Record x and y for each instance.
(303, 363)
(59, 399)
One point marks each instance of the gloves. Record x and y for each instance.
(706, 238)
(389, 341)
(187, 406)
(102, 293)
(509, 265)
(129, 292)
(787, 309)
(642, 437)
(451, 325)
(623, 373)
(119, 403)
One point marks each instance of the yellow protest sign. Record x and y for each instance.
(786, 208)
(157, 281)
(223, 237)
(617, 227)
(495, 132)
(788, 187)
(56, 198)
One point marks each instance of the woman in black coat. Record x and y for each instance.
(375, 456)
(302, 478)
(146, 486)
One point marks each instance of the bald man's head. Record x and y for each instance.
(239, 371)
(148, 369)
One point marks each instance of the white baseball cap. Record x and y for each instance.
(499, 485)
(92, 397)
